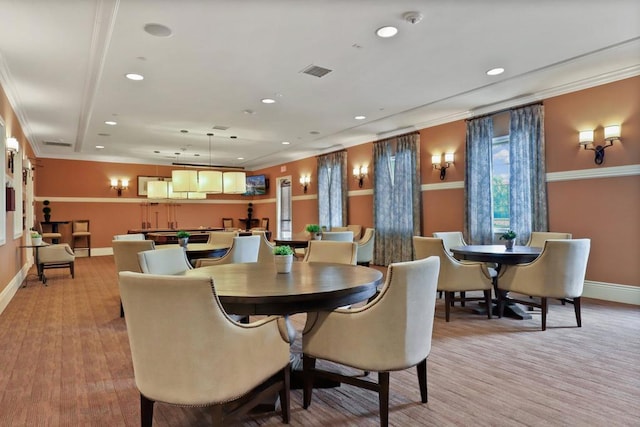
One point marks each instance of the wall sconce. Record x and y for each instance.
(119, 185)
(359, 174)
(13, 146)
(304, 182)
(611, 133)
(437, 164)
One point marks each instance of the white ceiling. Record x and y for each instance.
(62, 65)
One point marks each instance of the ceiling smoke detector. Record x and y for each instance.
(413, 17)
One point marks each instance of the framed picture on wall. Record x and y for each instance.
(143, 180)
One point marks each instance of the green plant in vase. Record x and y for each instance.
(183, 238)
(315, 231)
(509, 237)
(283, 258)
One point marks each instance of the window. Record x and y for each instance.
(500, 182)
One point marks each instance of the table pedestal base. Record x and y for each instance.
(511, 310)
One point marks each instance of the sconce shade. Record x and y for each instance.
(13, 145)
(184, 180)
(611, 132)
(210, 182)
(157, 189)
(114, 182)
(448, 157)
(585, 137)
(435, 160)
(234, 182)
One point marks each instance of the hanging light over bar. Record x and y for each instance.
(157, 189)
(184, 180)
(210, 182)
(234, 183)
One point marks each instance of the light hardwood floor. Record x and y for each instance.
(65, 360)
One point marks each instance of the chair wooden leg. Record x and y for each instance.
(501, 303)
(544, 308)
(463, 295)
(285, 403)
(487, 300)
(448, 297)
(121, 309)
(217, 415)
(72, 268)
(422, 380)
(383, 398)
(576, 308)
(308, 364)
(146, 411)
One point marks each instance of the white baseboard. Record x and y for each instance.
(10, 290)
(612, 292)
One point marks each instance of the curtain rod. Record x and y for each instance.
(482, 116)
(415, 132)
(331, 152)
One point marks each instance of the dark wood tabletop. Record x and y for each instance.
(294, 243)
(496, 253)
(256, 288)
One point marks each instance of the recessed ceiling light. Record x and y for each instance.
(134, 76)
(157, 30)
(99, 147)
(156, 151)
(240, 158)
(110, 123)
(360, 117)
(386, 32)
(285, 143)
(268, 101)
(495, 71)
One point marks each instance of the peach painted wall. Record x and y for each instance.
(603, 209)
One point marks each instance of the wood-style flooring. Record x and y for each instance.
(65, 361)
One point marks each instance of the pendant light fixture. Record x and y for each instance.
(210, 181)
(157, 189)
(184, 180)
(235, 183)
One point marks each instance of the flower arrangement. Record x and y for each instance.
(508, 235)
(35, 234)
(182, 234)
(283, 250)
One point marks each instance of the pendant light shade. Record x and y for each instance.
(176, 196)
(184, 180)
(157, 189)
(210, 182)
(194, 195)
(235, 182)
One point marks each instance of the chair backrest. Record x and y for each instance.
(227, 222)
(169, 364)
(403, 311)
(80, 225)
(265, 253)
(538, 238)
(454, 275)
(125, 253)
(59, 253)
(264, 223)
(164, 261)
(450, 239)
(558, 272)
(222, 237)
(338, 236)
(243, 249)
(366, 245)
(356, 230)
(136, 236)
(334, 252)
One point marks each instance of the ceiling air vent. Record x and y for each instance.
(57, 143)
(314, 70)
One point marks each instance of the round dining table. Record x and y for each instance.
(499, 255)
(256, 288)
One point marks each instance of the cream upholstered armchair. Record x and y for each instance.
(194, 369)
(222, 237)
(338, 236)
(390, 333)
(328, 251)
(125, 255)
(164, 261)
(265, 253)
(55, 256)
(455, 276)
(537, 238)
(243, 249)
(133, 236)
(365, 247)
(558, 272)
(450, 239)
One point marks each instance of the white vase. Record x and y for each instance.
(317, 236)
(509, 244)
(36, 241)
(183, 241)
(283, 263)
